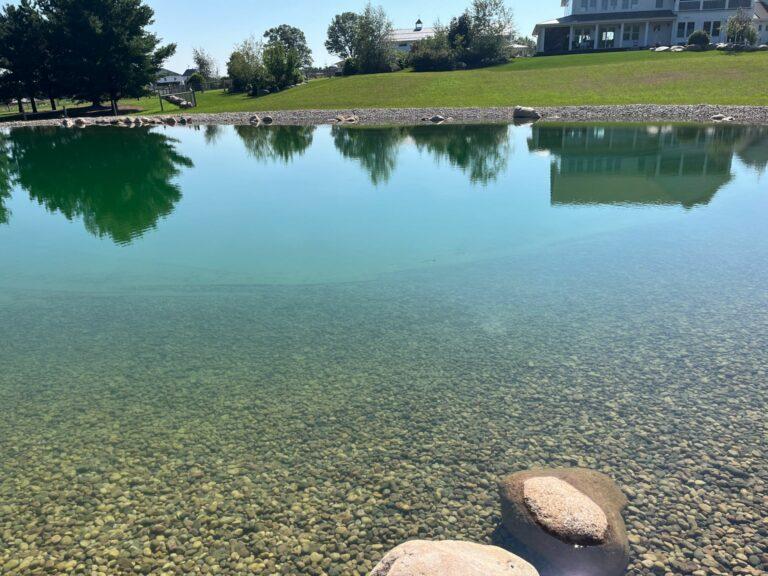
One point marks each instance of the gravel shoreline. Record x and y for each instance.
(754, 115)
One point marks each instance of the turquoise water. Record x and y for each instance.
(243, 350)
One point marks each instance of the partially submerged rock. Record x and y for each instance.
(568, 520)
(451, 558)
(564, 511)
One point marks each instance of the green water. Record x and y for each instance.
(237, 350)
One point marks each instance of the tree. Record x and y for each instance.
(281, 65)
(291, 38)
(492, 27)
(372, 47)
(460, 32)
(24, 50)
(10, 89)
(342, 35)
(196, 82)
(740, 28)
(245, 67)
(105, 48)
(205, 63)
(434, 54)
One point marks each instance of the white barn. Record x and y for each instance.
(403, 39)
(626, 24)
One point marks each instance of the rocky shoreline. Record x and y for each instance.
(753, 115)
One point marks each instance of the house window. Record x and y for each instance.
(716, 29)
(632, 33)
(685, 29)
(607, 37)
(708, 28)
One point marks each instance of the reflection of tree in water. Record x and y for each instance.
(276, 142)
(117, 180)
(5, 176)
(481, 151)
(374, 148)
(212, 133)
(753, 150)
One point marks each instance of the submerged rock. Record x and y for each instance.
(451, 558)
(568, 520)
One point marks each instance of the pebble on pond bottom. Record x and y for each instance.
(310, 429)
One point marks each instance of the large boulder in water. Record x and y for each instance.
(451, 558)
(568, 521)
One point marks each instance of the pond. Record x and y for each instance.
(285, 350)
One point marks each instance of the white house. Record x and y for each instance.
(403, 39)
(627, 24)
(168, 78)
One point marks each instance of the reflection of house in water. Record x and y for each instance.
(636, 165)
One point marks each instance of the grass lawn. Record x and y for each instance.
(641, 77)
(612, 78)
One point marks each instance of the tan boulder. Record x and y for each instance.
(568, 520)
(565, 512)
(451, 558)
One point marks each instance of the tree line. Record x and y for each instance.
(479, 37)
(86, 50)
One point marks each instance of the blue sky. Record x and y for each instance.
(218, 26)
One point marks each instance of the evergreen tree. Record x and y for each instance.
(105, 49)
(24, 51)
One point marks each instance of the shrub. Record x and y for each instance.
(740, 28)
(196, 81)
(433, 54)
(699, 38)
(349, 68)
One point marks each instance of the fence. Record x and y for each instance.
(182, 100)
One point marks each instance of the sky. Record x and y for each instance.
(217, 26)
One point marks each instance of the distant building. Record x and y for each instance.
(592, 25)
(403, 39)
(169, 79)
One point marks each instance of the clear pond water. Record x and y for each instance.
(237, 350)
